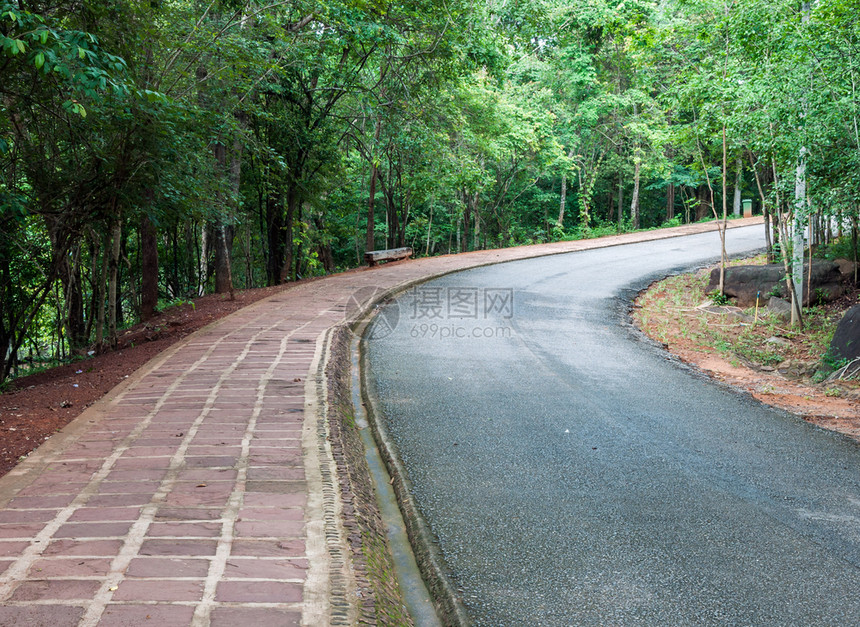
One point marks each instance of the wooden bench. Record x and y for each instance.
(375, 256)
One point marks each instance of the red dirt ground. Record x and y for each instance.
(36, 406)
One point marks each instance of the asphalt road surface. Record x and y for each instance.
(573, 475)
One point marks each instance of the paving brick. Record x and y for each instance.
(52, 488)
(167, 567)
(83, 547)
(279, 434)
(139, 474)
(212, 461)
(192, 513)
(276, 473)
(295, 499)
(270, 528)
(149, 451)
(206, 474)
(54, 615)
(270, 513)
(142, 463)
(159, 590)
(268, 548)
(258, 592)
(212, 488)
(129, 487)
(173, 441)
(210, 450)
(70, 567)
(27, 515)
(162, 615)
(278, 457)
(55, 589)
(105, 514)
(119, 500)
(229, 429)
(178, 547)
(93, 530)
(20, 530)
(196, 499)
(265, 569)
(276, 487)
(184, 530)
(256, 617)
(12, 548)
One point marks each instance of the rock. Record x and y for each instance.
(779, 308)
(846, 341)
(847, 268)
(744, 282)
(779, 341)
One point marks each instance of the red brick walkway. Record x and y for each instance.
(201, 492)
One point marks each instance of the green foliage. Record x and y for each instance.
(258, 137)
(719, 299)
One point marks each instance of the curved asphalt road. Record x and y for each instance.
(573, 475)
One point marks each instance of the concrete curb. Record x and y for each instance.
(449, 605)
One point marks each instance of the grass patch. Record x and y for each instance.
(669, 311)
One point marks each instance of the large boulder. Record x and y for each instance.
(847, 268)
(846, 341)
(779, 308)
(744, 282)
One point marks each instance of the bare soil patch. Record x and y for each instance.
(34, 407)
(755, 352)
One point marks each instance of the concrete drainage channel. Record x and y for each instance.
(429, 597)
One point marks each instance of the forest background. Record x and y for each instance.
(151, 152)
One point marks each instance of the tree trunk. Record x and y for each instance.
(800, 200)
(274, 231)
(113, 273)
(705, 204)
(620, 202)
(560, 222)
(102, 290)
(223, 270)
(634, 204)
(370, 238)
(797, 239)
(476, 216)
(467, 221)
(148, 269)
(739, 180)
(429, 230)
(765, 210)
(223, 239)
(670, 201)
(721, 225)
(203, 263)
(293, 200)
(75, 322)
(407, 209)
